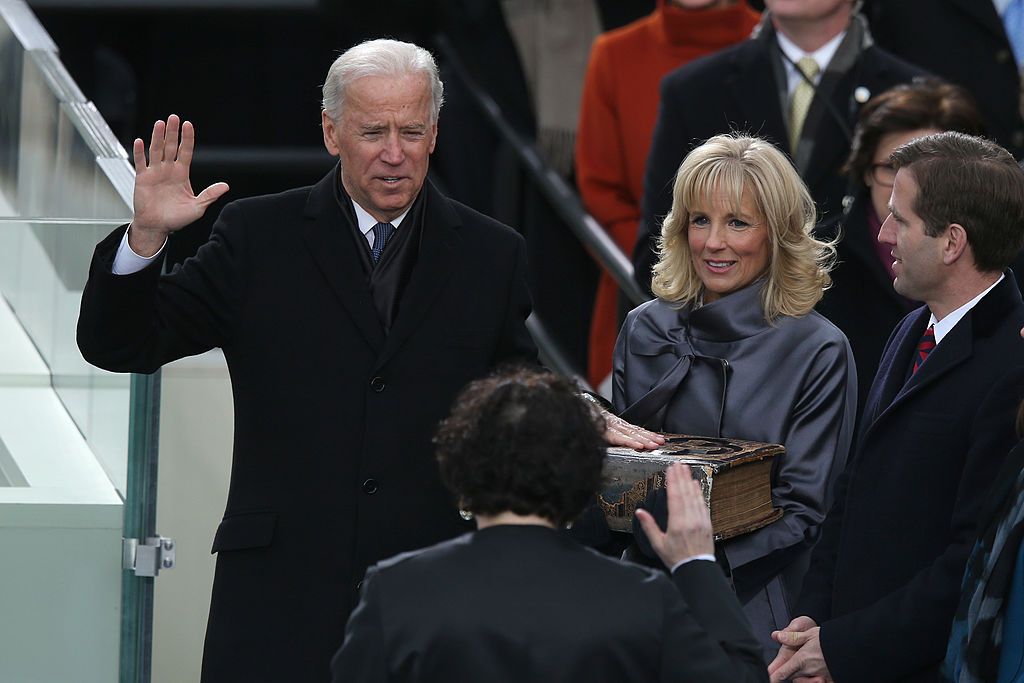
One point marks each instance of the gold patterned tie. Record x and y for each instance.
(800, 101)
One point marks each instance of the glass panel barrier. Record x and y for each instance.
(77, 444)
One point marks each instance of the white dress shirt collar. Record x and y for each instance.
(942, 327)
(366, 221)
(1001, 6)
(823, 55)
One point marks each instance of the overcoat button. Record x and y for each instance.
(370, 487)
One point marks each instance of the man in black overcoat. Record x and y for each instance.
(350, 314)
(756, 87)
(965, 42)
(879, 597)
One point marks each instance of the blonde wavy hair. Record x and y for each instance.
(799, 264)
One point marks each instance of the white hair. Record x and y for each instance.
(380, 57)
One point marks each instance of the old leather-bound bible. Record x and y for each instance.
(734, 475)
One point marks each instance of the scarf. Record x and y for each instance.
(977, 633)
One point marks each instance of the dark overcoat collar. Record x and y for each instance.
(983, 12)
(752, 82)
(335, 253)
(891, 389)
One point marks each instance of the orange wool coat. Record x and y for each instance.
(617, 117)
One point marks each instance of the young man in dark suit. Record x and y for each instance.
(798, 83)
(350, 313)
(885, 577)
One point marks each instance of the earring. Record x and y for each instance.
(466, 515)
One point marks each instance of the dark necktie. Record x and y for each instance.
(924, 347)
(382, 232)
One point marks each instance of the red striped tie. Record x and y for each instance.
(924, 347)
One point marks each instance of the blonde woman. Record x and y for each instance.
(732, 347)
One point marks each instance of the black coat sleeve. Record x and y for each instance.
(707, 635)
(138, 322)
(515, 343)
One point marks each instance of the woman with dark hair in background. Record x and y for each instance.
(862, 301)
(517, 600)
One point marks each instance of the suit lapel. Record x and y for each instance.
(955, 348)
(752, 83)
(327, 236)
(831, 143)
(892, 370)
(440, 245)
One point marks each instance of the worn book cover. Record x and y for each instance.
(735, 476)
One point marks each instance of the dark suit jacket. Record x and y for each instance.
(964, 42)
(737, 89)
(525, 603)
(333, 467)
(885, 575)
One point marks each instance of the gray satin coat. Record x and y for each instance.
(721, 370)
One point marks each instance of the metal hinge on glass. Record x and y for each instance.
(149, 557)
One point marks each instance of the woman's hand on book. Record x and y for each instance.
(618, 432)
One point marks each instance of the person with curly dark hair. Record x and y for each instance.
(517, 600)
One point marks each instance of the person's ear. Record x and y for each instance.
(330, 133)
(955, 243)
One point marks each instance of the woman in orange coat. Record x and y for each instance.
(617, 117)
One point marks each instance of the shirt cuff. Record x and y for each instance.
(680, 563)
(127, 261)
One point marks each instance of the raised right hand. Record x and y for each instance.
(689, 532)
(164, 201)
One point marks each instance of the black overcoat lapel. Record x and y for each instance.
(956, 348)
(330, 242)
(982, 12)
(440, 247)
(892, 375)
(831, 142)
(751, 83)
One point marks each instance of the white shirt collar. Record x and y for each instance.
(823, 55)
(366, 221)
(1001, 6)
(942, 327)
